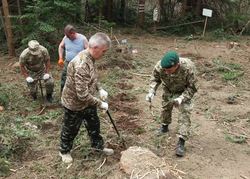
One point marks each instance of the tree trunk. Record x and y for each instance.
(141, 13)
(198, 8)
(184, 7)
(86, 15)
(20, 13)
(9, 36)
(162, 10)
(2, 21)
(108, 9)
(123, 11)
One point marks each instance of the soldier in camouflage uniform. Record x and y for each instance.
(34, 64)
(80, 104)
(177, 76)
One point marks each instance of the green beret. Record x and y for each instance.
(170, 59)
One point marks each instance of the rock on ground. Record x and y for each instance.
(140, 162)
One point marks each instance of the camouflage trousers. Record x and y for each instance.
(185, 110)
(49, 86)
(64, 74)
(72, 123)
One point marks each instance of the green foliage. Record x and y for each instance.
(4, 168)
(229, 71)
(4, 98)
(44, 19)
(236, 139)
(221, 34)
(112, 78)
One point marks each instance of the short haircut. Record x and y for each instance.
(69, 29)
(99, 39)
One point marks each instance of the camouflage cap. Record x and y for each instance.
(34, 47)
(170, 59)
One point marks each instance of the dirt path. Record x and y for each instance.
(209, 154)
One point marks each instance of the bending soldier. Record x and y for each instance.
(177, 76)
(35, 64)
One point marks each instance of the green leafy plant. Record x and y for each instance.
(4, 168)
(236, 139)
(229, 71)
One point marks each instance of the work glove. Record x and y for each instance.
(60, 62)
(29, 79)
(104, 106)
(150, 96)
(103, 94)
(178, 101)
(46, 76)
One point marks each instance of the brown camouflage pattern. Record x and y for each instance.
(182, 82)
(81, 83)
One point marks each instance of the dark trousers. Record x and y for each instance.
(72, 123)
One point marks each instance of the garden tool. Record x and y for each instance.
(113, 123)
(41, 89)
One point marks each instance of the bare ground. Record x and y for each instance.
(221, 111)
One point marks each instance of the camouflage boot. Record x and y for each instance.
(180, 150)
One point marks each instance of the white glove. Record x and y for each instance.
(103, 94)
(46, 76)
(178, 100)
(150, 96)
(104, 106)
(29, 79)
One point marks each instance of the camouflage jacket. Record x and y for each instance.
(35, 64)
(81, 83)
(182, 82)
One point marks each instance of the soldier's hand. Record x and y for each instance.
(150, 96)
(29, 79)
(104, 106)
(46, 76)
(60, 62)
(178, 101)
(103, 94)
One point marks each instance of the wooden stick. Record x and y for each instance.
(244, 177)
(101, 164)
(117, 40)
(205, 25)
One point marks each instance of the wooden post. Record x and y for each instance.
(111, 32)
(11, 48)
(205, 25)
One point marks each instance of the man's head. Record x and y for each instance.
(170, 62)
(34, 47)
(70, 32)
(99, 44)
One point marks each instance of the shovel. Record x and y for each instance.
(117, 132)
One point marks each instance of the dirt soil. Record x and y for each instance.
(221, 114)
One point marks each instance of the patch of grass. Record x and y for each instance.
(229, 71)
(236, 139)
(139, 130)
(38, 168)
(4, 99)
(4, 168)
(111, 79)
(232, 75)
(220, 34)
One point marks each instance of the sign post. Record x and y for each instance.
(207, 13)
